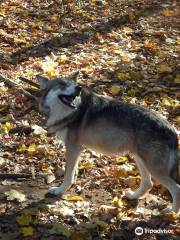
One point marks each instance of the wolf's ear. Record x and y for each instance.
(42, 81)
(74, 77)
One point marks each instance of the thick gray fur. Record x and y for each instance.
(103, 124)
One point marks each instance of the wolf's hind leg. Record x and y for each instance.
(146, 183)
(171, 185)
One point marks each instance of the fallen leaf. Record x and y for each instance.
(15, 195)
(120, 216)
(87, 166)
(107, 208)
(50, 178)
(26, 231)
(32, 148)
(49, 67)
(117, 202)
(128, 30)
(62, 59)
(122, 76)
(54, 18)
(59, 228)
(121, 159)
(177, 79)
(115, 89)
(64, 211)
(164, 68)
(172, 216)
(24, 219)
(39, 130)
(165, 101)
(178, 41)
(5, 128)
(131, 181)
(150, 44)
(21, 149)
(168, 13)
(75, 198)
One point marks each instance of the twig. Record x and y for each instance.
(20, 175)
(19, 88)
(29, 82)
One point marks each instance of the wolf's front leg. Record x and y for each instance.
(72, 154)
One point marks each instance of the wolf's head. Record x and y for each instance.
(60, 97)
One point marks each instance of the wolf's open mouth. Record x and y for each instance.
(67, 100)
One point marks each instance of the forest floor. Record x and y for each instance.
(125, 49)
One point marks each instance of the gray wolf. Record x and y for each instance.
(103, 124)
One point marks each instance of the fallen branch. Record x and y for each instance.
(19, 88)
(21, 175)
(29, 82)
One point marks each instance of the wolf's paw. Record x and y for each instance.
(129, 194)
(56, 191)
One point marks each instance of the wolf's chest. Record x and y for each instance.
(62, 134)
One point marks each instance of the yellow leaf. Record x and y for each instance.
(150, 44)
(26, 231)
(19, 40)
(50, 67)
(75, 198)
(25, 13)
(177, 120)
(115, 89)
(6, 127)
(135, 75)
(87, 166)
(32, 148)
(165, 101)
(168, 13)
(122, 76)
(121, 159)
(172, 216)
(21, 149)
(125, 58)
(116, 51)
(24, 219)
(177, 79)
(120, 215)
(87, 69)
(3, 89)
(117, 202)
(54, 18)
(164, 68)
(30, 73)
(37, 24)
(49, 28)
(178, 41)
(128, 30)
(62, 59)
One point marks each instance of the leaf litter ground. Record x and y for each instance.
(126, 49)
